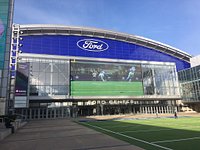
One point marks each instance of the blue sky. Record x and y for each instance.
(173, 22)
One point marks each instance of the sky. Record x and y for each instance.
(172, 22)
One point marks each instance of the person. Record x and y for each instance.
(131, 74)
(156, 114)
(8, 123)
(102, 75)
(175, 115)
(94, 75)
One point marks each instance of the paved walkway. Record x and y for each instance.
(61, 134)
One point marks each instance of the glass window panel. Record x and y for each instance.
(35, 66)
(41, 78)
(55, 79)
(47, 78)
(43, 67)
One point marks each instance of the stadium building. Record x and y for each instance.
(61, 71)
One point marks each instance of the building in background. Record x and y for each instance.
(195, 61)
(6, 18)
(61, 71)
(190, 85)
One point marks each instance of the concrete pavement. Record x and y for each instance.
(61, 134)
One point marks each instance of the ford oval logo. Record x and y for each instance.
(92, 45)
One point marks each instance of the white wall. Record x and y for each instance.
(195, 61)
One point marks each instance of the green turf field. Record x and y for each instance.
(154, 134)
(109, 88)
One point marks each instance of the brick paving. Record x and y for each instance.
(61, 134)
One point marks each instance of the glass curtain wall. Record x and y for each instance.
(48, 77)
(53, 77)
(160, 80)
(190, 84)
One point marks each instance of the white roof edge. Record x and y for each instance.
(25, 26)
(164, 45)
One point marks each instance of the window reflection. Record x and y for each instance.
(48, 77)
(190, 84)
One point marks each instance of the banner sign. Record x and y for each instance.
(21, 86)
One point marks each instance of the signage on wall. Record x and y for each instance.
(93, 45)
(21, 85)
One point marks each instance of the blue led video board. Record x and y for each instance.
(83, 46)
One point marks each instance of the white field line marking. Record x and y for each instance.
(86, 91)
(117, 133)
(118, 126)
(177, 140)
(146, 130)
